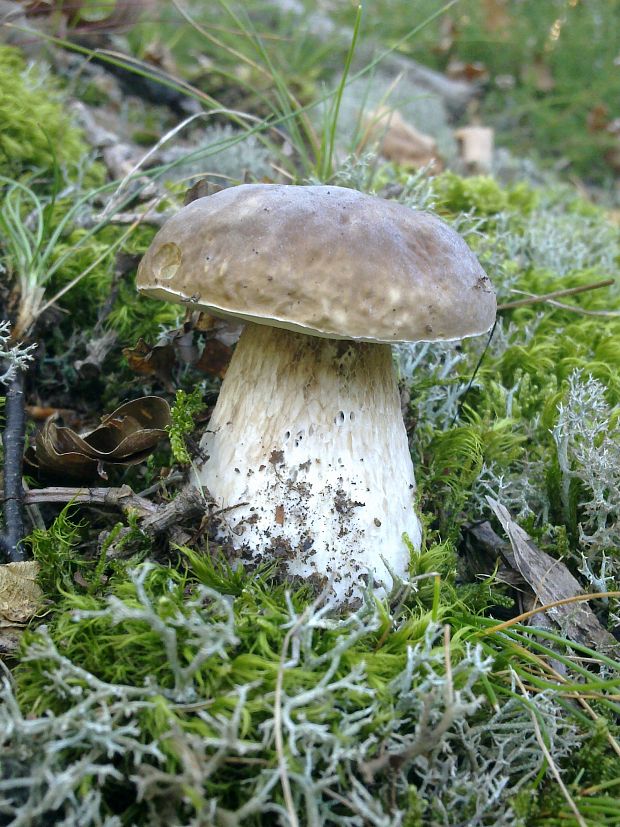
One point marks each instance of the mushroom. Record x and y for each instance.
(306, 452)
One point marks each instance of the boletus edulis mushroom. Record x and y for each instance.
(306, 450)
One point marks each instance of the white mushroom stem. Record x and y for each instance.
(308, 454)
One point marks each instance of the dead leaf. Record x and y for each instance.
(496, 16)
(540, 76)
(226, 331)
(398, 140)
(476, 147)
(201, 189)
(125, 437)
(200, 320)
(155, 361)
(551, 580)
(55, 452)
(20, 594)
(215, 358)
(132, 429)
(42, 412)
(460, 70)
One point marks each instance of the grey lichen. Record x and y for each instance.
(349, 749)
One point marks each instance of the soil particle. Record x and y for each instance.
(280, 514)
(344, 505)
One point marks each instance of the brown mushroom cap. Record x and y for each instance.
(326, 261)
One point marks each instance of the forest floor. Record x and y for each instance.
(147, 679)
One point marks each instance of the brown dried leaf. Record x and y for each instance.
(551, 580)
(20, 594)
(55, 453)
(540, 75)
(43, 412)
(215, 358)
(125, 437)
(226, 331)
(201, 321)
(398, 140)
(155, 361)
(476, 147)
(201, 189)
(460, 70)
(496, 15)
(133, 428)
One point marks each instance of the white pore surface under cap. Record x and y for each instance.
(308, 454)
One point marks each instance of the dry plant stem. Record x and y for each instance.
(156, 519)
(13, 441)
(556, 774)
(122, 498)
(188, 504)
(30, 303)
(576, 598)
(572, 291)
(34, 512)
(581, 699)
(601, 314)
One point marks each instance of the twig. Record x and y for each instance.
(155, 518)
(33, 510)
(175, 476)
(571, 291)
(189, 502)
(549, 758)
(13, 441)
(475, 373)
(122, 497)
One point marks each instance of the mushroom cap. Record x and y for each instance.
(326, 261)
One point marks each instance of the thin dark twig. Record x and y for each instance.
(476, 369)
(13, 442)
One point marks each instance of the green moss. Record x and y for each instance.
(35, 132)
(131, 316)
(482, 195)
(186, 407)
(54, 549)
